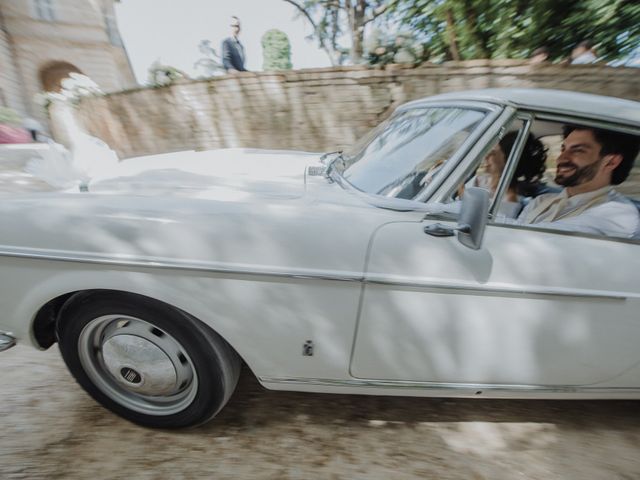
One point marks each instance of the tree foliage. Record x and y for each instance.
(276, 50)
(331, 19)
(466, 29)
(160, 75)
(210, 63)
(9, 117)
(382, 48)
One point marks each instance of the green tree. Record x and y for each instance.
(9, 117)
(465, 29)
(210, 63)
(332, 19)
(400, 47)
(276, 51)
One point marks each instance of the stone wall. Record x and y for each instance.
(77, 35)
(10, 93)
(318, 109)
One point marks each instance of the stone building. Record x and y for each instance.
(42, 41)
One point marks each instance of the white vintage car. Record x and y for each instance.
(363, 271)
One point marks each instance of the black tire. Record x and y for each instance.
(88, 334)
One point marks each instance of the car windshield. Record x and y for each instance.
(400, 157)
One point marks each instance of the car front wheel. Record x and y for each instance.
(146, 361)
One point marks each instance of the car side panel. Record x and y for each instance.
(266, 278)
(266, 319)
(529, 308)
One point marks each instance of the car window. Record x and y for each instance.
(489, 168)
(402, 158)
(526, 176)
(561, 197)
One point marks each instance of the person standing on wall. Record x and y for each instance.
(583, 53)
(232, 50)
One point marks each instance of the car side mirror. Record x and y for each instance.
(471, 221)
(473, 217)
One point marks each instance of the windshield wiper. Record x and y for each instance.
(324, 156)
(331, 172)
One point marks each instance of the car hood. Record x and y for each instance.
(239, 209)
(214, 173)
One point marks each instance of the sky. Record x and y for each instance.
(170, 30)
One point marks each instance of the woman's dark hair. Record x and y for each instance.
(613, 143)
(532, 165)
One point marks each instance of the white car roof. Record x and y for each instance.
(597, 107)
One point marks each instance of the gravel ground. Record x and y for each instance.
(53, 430)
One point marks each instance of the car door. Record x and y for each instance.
(529, 308)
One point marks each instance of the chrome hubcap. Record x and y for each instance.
(138, 365)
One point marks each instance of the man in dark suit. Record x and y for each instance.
(232, 49)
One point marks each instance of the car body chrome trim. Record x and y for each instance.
(469, 103)
(306, 274)
(168, 264)
(566, 233)
(474, 388)
(496, 289)
(6, 341)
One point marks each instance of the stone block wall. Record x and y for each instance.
(315, 109)
(78, 35)
(10, 93)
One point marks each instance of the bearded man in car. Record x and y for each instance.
(591, 161)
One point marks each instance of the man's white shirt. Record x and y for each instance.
(602, 212)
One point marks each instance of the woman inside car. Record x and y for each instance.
(527, 179)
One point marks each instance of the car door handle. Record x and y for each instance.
(442, 230)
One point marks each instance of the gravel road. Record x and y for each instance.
(52, 430)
